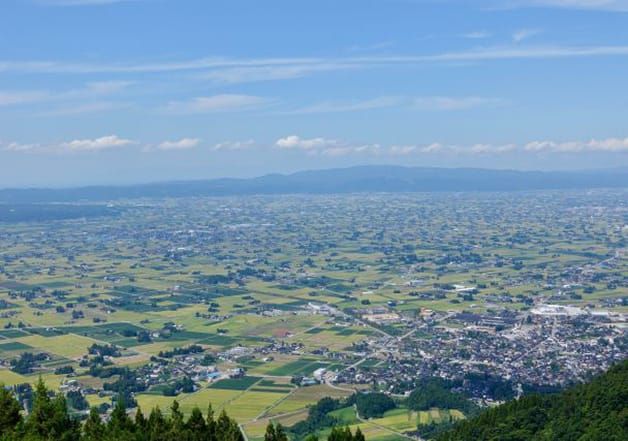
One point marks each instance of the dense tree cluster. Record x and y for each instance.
(27, 361)
(192, 349)
(373, 405)
(318, 417)
(344, 434)
(436, 392)
(49, 420)
(104, 350)
(587, 412)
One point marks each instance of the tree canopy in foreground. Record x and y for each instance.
(593, 411)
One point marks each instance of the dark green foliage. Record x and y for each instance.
(344, 434)
(588, 412)
(93, 429)
(241, 383)
(318, 417)
(373, 405)
(185, 385)
(9, 412)
(26, 362)
(76, 400)
(64, 370)
(49, 420)
(435, 392)
(192, 349)
(359, 436)
(125, 385)
(104, 350)
(275, 433)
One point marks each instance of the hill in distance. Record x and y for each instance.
(389, 179)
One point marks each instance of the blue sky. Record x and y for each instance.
(105, 91)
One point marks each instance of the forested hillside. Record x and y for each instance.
(49, 420)
(594, 411)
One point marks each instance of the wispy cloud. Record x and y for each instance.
(84, 109)
(103, 143)
(217, 103)
(477, 35)
(603, 5)
(609, 145)
(21, 148)
(333, 107)
(336, 147)
(81, 2)
(181, 144)
(324, 146)
(429, 103)
(371, 47)
(234, 70)
(455, 149)
(234, 145)
(253, 74)
(89, 91)
(294, 142)
(9, 98)
(96, 144)
(524, 34)
(445, 103)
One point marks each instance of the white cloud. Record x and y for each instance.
(438, 148)
(182, 144)
(21, 148)
(477, 35)
(371, 47)
(454, 103)
(481, 149)
(236, 70)
(106, 87)
(294, 142)
(435, 147)
(604, 5)
(332, 107)
(9, 98)
(75, 146)
(369, 149)
(217, 103)
(81, 2)
(524, 34)
(83, 109)
(324, 146)
(609, 145)
(402, 150)
(95, 145)
(88, 91)
(251, 74)
(333, 147)
(234, 145)
(433, 103)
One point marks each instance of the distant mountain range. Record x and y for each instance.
(341, 180)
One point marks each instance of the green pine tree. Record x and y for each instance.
(10, 408)
(93, 429)
(270, 432)
(196, 426)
